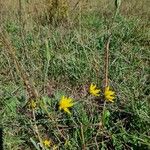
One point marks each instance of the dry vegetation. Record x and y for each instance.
(51, 48)
(36, 8)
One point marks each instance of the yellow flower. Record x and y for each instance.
(65, 103)
(94, 90)
(32, 104)
(47, 143)
(109, 95)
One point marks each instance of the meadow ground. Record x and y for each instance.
(50, 49)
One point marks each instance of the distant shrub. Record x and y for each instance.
(57, 10)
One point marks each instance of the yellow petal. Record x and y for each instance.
(96, 94)
(92, 87)
(67, 111)
(97, 91)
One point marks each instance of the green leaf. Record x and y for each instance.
(34, 143)
(106, 116)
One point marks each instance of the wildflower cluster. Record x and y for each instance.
(109, 95)
(65, 103)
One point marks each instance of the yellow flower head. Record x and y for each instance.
(32, 104)
(94, 90)
(109, 95)
(47, 143)
(65, 103)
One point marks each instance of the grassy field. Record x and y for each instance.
(49, 50)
